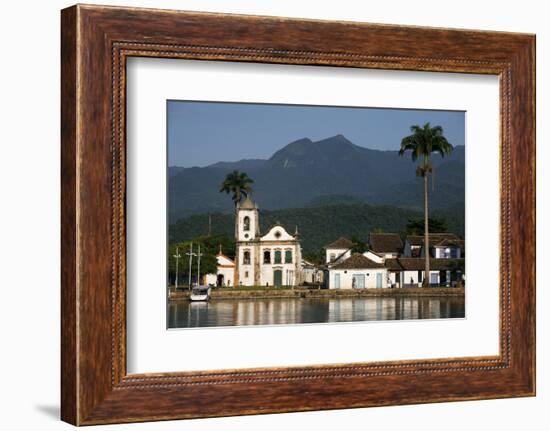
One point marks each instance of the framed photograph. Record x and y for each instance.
(265, 215)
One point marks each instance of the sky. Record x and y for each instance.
(203, 133)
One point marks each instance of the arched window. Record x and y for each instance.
(246, 258)
(267, 256)
(277, 256)
(288, 256)
(246, 223)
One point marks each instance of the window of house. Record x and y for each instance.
(277, 256)
(246, 274)
(246, 258)
(288, 256)
(332, 257)
(246, 223)
(267, 256)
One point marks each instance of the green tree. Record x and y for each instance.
(422, 143)
(359, 246)
(435, 225)
(315, 257)
(217, 243)
(238, 183)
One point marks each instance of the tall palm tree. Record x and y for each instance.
(238, 183)
(422, 143)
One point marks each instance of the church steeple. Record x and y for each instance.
(247, 204)
(248, 223)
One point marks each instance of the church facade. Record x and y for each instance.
(272, 259)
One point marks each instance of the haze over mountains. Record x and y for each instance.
(314, 174)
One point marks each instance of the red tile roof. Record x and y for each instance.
(418, 264)
(386, 243)
(358, 261)
(340, 243)
(434, 238)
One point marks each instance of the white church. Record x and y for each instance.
(272, 259)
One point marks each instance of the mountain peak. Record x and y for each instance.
(333, 170)
(305, 152)
(296, 148)
(338, 139)
(301, 141)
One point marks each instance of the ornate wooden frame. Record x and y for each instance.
(95, 43)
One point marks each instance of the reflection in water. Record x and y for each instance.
(239, 312)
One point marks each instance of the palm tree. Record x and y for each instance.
(238, 183)
(423, 142)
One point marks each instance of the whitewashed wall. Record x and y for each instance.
(408, 275)
(337, 252)
(253, 216)
(346, 277)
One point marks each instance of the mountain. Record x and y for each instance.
(241, 165)
(317, 226)
(305, 171)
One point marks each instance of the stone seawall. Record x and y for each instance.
(321, 293)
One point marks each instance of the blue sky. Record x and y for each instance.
(202, 133)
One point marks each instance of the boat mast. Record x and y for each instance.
(190, 254)
(177, 257)
(199, 254)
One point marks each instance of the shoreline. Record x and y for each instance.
(322, 293)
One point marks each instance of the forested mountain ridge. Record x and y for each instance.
(318, 225)
(304, 172)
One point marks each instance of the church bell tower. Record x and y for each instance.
(247, 227)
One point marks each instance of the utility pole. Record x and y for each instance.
(177, 257)
(199, 254)
(209, 224)
(190, 254)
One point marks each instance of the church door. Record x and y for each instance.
(278, 277)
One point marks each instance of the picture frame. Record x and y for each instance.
(96, 41)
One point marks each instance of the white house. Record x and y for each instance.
(357, 272)
(311, 273)
(273, 259)
(448, 248)
(225, 274)
(338, 251)
(440, 245)
(410, 271)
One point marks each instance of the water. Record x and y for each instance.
(285, 311)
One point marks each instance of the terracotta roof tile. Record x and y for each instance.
(386, 243)
(434, 238)
(358, 261)
(340, 243)
(418, 264)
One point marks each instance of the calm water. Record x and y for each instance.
(238, 312)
